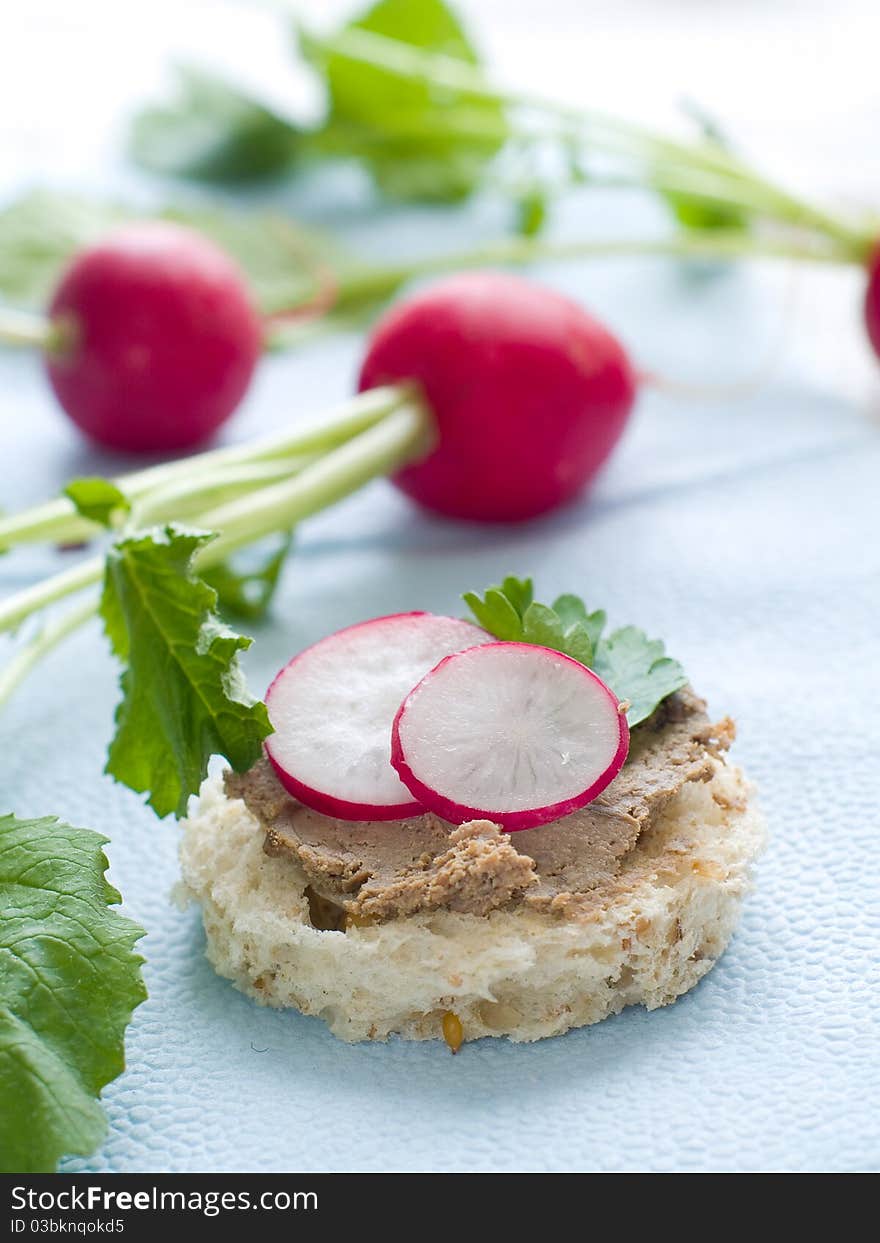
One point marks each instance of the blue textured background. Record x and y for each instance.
(743, 531)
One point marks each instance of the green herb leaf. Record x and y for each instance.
(519, 591)
(635, 667)
(247, 590)
(419, 142)
(283, 260)
(212, 131)
(573, 612)
(509, 612)
(184, 694)
(542, 626)
(98, 499)
(497, 613)
(69, 981)
(638, 669)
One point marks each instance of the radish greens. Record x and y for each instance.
(213, 131)
(69, 981)
(98, 500)
(408, 100)
(184, 695)
(415, 143)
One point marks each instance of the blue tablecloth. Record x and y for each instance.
(743, 531)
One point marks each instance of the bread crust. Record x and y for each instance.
(647, 936)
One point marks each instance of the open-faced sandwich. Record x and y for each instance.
(461, 830)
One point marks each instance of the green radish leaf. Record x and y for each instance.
(696, 213)
(246, 590)
(184, 696)
(69, 982)
(39, 232)
(635, 667)
(213, 131)
(417, 141)
(98, 499)
(284, 261)
(703, 214)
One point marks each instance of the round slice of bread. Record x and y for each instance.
(644, 940)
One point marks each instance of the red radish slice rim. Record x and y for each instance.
(339, 808)
(340, 685)
(450, 808)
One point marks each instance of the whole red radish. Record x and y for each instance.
(530, 393)
(157, 338)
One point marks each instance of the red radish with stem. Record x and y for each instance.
(509, 732)
(156, 339)
(529, 393)
(333, 705)
(513, 425)
(153, 339)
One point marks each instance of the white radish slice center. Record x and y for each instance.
(333, 706)
(509, 729)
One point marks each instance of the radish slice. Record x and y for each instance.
(509, 732)
(333, 706)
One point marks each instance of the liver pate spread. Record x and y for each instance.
(360, 872)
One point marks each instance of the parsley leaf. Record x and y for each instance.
(247, 590)
(212, 131)
(509, 612)
(69, 981)
(573, 612)
(98, 499)
(519, 591)
(638, 669)
(635, 667)
(418, 142)
(184, 697)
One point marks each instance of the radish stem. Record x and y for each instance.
(17, 608)
(180, 499)
(718, 244)
(17, 669)
(401, 436)
(59, 521)
(25, 329)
